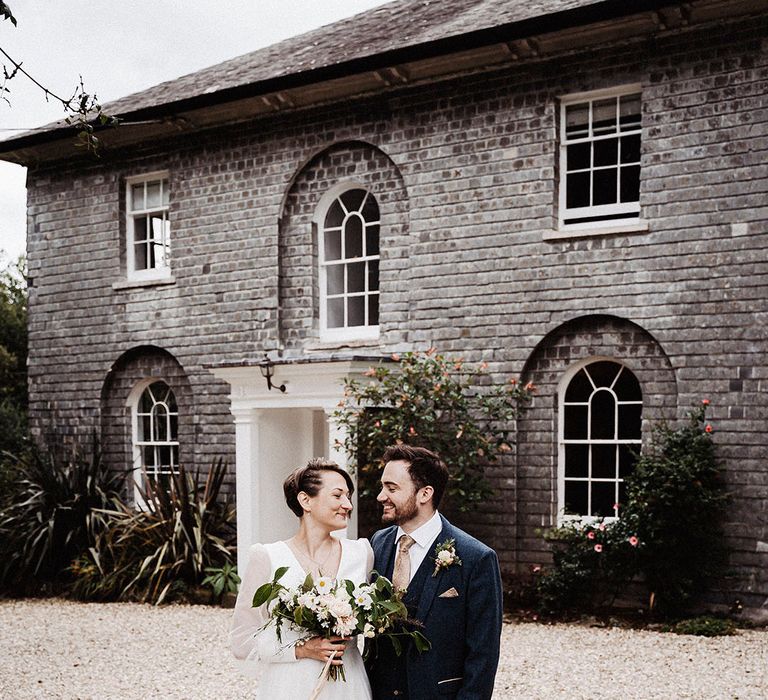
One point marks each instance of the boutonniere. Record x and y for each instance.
(445, 556)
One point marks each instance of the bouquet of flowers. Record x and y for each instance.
(339, 608)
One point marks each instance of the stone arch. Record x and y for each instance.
(593, 336)
(366, 166)
(132, 370)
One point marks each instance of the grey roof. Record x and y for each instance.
(398, 32)
(391, 27)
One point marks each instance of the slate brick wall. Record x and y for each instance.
(466, 171)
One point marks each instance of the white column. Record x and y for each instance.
(247, 485)
(336, 436)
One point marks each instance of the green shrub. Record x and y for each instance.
(676, 501)
(46, 518)
(429, 400)
(223, 579)
(704, 626)
(592, 564)
(154, 553)
(669, 533)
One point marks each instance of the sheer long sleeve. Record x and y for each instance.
(368, 558)
(251, 643)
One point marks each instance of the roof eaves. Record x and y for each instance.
(600, 11)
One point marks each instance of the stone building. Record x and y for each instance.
(573, 191)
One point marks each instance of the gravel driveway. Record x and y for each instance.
(61, 649)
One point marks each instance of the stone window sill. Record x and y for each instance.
(131, 284)
(563, 234)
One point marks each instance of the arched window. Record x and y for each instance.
(156, 443)
(599, 435)
(349, 266)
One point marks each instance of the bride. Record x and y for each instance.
(319, 494)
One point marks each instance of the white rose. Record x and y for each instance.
(369, 630)
(445, 557)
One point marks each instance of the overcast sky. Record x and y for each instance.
(121, 46)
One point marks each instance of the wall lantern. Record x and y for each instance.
(267, 368)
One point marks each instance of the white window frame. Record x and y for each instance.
(156, 273)
(630, 209)
(348, 333)
(132, 402)
(571, 519)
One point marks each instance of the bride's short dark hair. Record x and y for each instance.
(309, 479)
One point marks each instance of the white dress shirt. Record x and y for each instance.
(424, 539)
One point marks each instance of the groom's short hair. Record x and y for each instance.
(424, 466)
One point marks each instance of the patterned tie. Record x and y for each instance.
(401, 576)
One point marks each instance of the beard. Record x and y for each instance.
(401, 514)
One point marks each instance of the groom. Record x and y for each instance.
(455, 594)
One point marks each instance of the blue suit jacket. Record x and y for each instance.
(464, 630)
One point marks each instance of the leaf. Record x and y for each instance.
(422, 643)
(397, 644)
(279, 573)
(262, 595)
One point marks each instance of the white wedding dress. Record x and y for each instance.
(280, 674)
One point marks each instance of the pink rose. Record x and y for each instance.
(708, 429)
(601, 527)
(396, 357)
(633, 541)
(705, 402)
(591, 535)
(598, 548)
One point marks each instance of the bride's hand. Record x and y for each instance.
(321, 649)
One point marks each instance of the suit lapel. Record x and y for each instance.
(385, 554)
(430, 585)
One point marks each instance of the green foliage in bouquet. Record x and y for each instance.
(426, 399)
(328, 608)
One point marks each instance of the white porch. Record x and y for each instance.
(276, 432)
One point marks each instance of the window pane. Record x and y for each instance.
(606, 152)
(630, 421)
(170, 399)
(335, 277)
(604, 186)
(603, 498)
(373, 275)
(577, 190)
(630, 149)
(335, 215)
(603, 461)
(370, 210)
(603, 373)
(353, 237)
(146, 402)
(137, 196)
(630, 183)
(332, 241)
(174, 420)
(602, 425)
(149, 457)
(158, 227)
(622, 494)
(356, 311)
(355, 277)
(140, 256)
(629, 111)
(575, 427)
(140, 229)
(576, 498)
(627, 387)
(604, 116)
(336, 313)
(165, 192)
(353, 199)
(578, 156)
(627, 459)
(579, 388)
(576, 463)
(154, 198)
(160, 424)
(373, 310)
(165, 457)
(577, 120)
(145, 428)
(372, 240)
